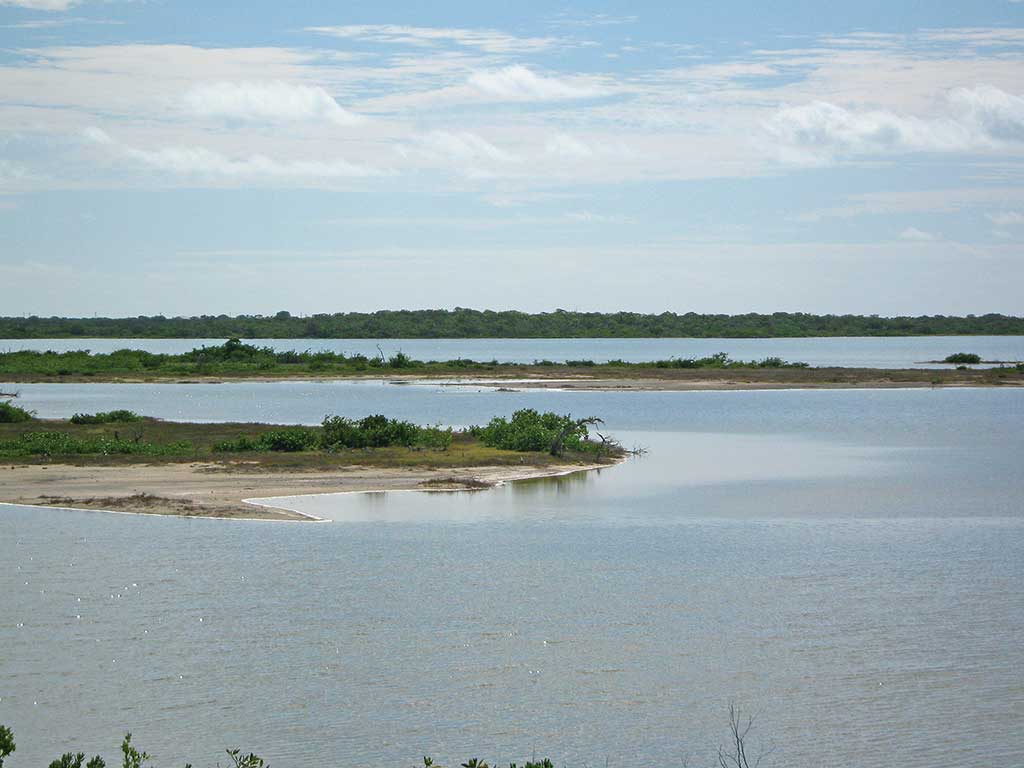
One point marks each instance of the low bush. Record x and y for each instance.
(529, 430)
(378, 431)
(12, 414)
(105, 417)
(967, 358)
(64, 444)
(290, 439)
(339, 432)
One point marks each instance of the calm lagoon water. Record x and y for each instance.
(869, 352)
(847, 564)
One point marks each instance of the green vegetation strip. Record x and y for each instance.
(482, 324)
(234, 358)
(352, 440)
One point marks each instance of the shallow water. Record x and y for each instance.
(856, 352)
(848, 564)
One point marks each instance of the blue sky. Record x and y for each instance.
(169, 157)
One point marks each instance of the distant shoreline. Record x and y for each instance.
(599, 377)
(465, 323)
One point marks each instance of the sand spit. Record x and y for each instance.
(203, 490)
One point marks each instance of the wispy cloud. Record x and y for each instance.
(59, 22)
(1006, 218)
(487, 40)
(564, 145)
(462, 152)
(913, 234)
(517, 83)
(274, 101)
(569, 19)
(43, 5)
(589, 217)
(201, 161)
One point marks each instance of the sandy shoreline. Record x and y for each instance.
(701, 385)
(199, 490)
(649, 380)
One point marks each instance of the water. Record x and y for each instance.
(868, 352)
(848, 564)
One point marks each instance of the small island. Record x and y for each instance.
(122, 462)
(237, 361)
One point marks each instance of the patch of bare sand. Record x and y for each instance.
(192, 490)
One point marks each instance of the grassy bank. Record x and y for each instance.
(374, 441)
(235, 359)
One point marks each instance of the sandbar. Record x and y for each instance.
(204, 490)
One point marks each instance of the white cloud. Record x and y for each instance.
(201, 161)
(517, 83)
(42, 5)
(467, 147)
(487, 40)
(913, 234)
(274, 101)
(1005, 218)
(97, 135)
(821, 131)
(983, 118)
(206, 162)
(994, 112)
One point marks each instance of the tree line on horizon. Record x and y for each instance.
(463, 323)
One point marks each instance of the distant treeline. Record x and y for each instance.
(472, 323)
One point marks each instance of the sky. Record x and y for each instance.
(162, 157)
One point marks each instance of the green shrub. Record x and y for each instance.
(370, 432)
(71, 760)
(438, 438)
(290, 439)
(968, 358)
(529, 430)
(6, 743)
(12, 414)
(378, 431)
(400, 360)
(105, 417)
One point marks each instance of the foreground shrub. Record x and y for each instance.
(105, 417)
(12, 414)
(732, 754)
(6, 743)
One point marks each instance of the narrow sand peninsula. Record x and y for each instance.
(731, 382)
(204, 490)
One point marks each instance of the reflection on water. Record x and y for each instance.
(664, 483)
